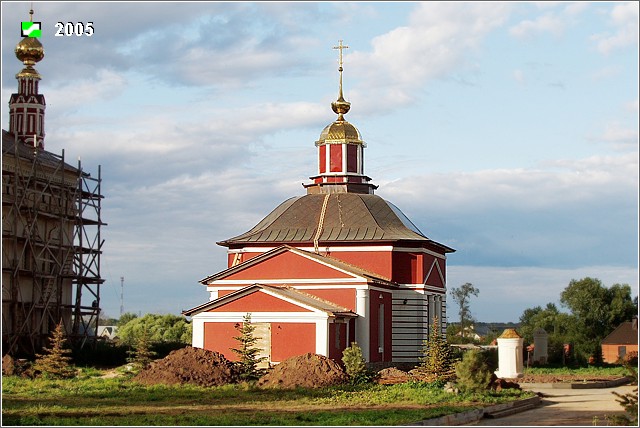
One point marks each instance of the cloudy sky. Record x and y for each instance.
(508, 131)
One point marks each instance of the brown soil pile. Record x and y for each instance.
(190, 365)
(308, 371)
(391, 376)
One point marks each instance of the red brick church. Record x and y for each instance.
(337, 265)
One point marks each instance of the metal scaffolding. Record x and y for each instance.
(51, 248)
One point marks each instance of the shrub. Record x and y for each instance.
(437, 363)
(355, 365)
(473, 372)
(142, 355)
(55, 362)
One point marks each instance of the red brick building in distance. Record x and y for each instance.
(621, 342)
(337, 265)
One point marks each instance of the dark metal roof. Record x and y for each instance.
(10, 147)
(348, 217)
(297, 296)
(625, 334)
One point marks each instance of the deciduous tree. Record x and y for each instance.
(597, 311)
(461, 295)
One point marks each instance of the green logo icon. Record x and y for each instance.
(31, 29)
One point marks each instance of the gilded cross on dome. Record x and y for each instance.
(340, 47)
(340, 107)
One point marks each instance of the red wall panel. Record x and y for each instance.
(340, 296)
(259, 301)
(219, 337)
(336, 157)
(373, 261)
(322, 160)
(289, 340)
(285, 266)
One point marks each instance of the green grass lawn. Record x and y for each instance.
(91, 400)
(584, 371)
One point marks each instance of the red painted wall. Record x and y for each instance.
(259, 302)
(434, 277)
(336, 157)
(340, 296)
(219, 337)
(374, 304)
(322, 160)
(376, 262)
(285, 266)
(291, 339)
(338, 340)
(610, 352)
(352, 158)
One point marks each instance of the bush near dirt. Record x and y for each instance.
(307, 371)
(190, 365)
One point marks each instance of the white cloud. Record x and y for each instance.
(439, 38)
(71, 95)
(549, 23)
(518, 76)
(624, 19)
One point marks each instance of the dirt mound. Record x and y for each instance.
(308, 371)
(190, 365)
(391, 376)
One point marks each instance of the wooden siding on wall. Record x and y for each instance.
(410, 325)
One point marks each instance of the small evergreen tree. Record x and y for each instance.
(142, 355)
(55, 362)
(473, 372)
(354, 364)
(247, 351)
(437, 363)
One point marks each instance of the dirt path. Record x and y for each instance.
(566, 407)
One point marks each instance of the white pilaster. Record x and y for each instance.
(322, 337)
(362, 322)
(197, 338)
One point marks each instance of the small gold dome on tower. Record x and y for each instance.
(29, 50)
(340, 132)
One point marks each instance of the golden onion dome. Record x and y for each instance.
(29, 50)
(340, 132)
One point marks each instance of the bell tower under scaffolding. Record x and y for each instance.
(51, 228)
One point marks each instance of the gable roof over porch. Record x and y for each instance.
(300, 264)
(286, 295)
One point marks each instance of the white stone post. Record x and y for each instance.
(540, 342)
(510, 358)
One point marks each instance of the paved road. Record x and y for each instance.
(565, 407)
